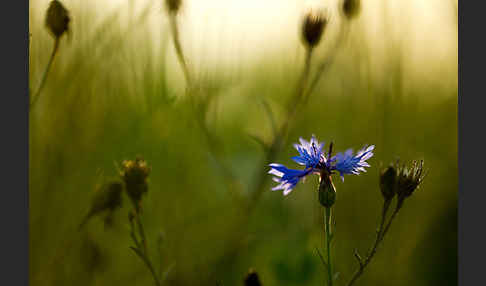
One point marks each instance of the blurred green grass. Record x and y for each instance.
(109, 98)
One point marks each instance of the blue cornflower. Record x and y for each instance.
(315, 161)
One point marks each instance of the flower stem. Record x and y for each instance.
(46, 72)
(279, 138)
(327, 218)
(178, 48)
(140, 247)
(381, 232)
(343, 33)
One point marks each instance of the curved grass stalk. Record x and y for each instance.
(46, 73)
(328, 61)
(279, 138)
(178, 48)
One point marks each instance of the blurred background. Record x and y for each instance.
(116, 90)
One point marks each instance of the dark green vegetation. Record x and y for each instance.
(113, 94)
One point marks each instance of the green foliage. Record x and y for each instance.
(112, 96)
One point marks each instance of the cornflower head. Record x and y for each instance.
(316, 161)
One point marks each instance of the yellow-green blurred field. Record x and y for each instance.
(116, 91)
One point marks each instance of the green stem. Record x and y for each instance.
(327, 218)
(141, 247)
(343, 33)
(382, 230)
(35, 98)
(279, 138)
(178, 48)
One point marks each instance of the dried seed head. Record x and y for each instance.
(313, 27)
(351, 8)
(108, 197)
(327, 191)
(409, 179)
(134, 174)
(252, 279)
(388, 182)
(57, 19)
(173, 5)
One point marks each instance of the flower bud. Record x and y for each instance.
(313, 28)
(134, 174)
(327, 191)
(252, 279)
(57, 19)
(351, 8)
(388, 180)
(173, 5)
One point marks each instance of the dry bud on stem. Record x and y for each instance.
(313, 27)
(57, 19)
(351, 8)
(134, 174)
(173, 6)
(388, 179)
(252, 279)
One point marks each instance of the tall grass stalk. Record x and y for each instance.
(36, 96)
(178, 48)
(329, 59)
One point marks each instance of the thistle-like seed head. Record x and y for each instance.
(173, 6)
(134, 174)
(57, 19)
(388, 182)
(313, 27)
(252, 279)
(351, 8)
(409, 179)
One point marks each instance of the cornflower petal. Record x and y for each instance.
(348, 164)
(288, 178)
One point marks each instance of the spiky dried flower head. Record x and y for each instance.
(388, 182)
(252, 279)
(409, 179)
(57, 19)
(173, 6)
(313, 27)
(134, 174)
(351, 8)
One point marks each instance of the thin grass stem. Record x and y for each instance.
(279, 138)
(381, 232)
(178, 48)
(46, 73)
